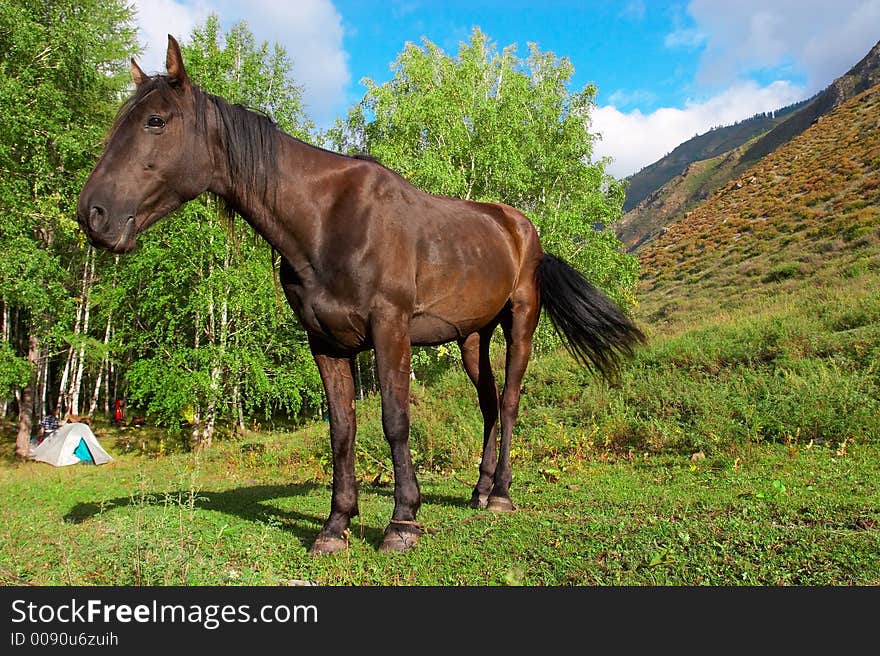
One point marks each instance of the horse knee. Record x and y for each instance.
(510, 403)
(395, 424)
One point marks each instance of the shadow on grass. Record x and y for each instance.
(249, 503)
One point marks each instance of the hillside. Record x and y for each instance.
(809, 209)
(859, 78)
(696, 183)
(693, 182)
(703, 146)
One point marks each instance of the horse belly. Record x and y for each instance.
(463, 281)
(429, 330)
(459, 308)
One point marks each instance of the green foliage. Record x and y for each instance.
(195, 323)
(782, 272)
(234, 66)
(60, 76)
(206, 327)
(14, 371)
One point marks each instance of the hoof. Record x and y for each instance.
(479, 500)
(328, 544)
(500, 504)
(400, 536)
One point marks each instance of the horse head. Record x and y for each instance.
(156, 159)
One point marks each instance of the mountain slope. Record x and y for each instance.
(703, 146)
(859, 78)
(811, 206)
(697, 181)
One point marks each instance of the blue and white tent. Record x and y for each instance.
(71, 444)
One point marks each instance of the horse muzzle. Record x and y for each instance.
(104, 231)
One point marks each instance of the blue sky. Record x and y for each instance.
(618, 46)
(664, 70)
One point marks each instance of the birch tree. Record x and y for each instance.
(60, 66)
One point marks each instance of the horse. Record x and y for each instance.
(368, 261)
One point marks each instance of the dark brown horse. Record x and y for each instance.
(368, 262)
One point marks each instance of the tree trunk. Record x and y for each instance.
(73, 406)
(109, 374)
(64, 394)
(197, 408)
(238, 407)
(40, 396)
(108, 363)
(4, 335)
(60, 402)
(94, 404)
(26, 404)
(207, 434)
(216, 371)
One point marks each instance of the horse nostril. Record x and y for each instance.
(97, 217)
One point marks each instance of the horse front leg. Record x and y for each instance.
(338, 379)
(393, 364)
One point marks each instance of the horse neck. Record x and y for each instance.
(277, 181)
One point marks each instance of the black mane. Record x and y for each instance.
(249, 139)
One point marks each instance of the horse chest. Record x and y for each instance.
(321, 314)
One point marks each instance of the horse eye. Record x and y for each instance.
(155, 122)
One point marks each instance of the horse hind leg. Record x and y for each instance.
(475, 357)
(519, 328)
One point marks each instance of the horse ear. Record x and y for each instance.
(174, 63)
(137, 74)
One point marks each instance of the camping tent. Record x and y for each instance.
(71, 444)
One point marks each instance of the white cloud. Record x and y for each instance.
(310, 31)
(401, 8)
(157, 19)
(634, 140)
(634, 10)
(624, 97)
(814, 41)
(819, 39)
(684, 38)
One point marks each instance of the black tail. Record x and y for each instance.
(595, 330)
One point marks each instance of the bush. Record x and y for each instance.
(782, 272)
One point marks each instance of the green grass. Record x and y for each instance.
(758, 515)
(738, 448)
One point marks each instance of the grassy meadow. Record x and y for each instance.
(740, 448)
